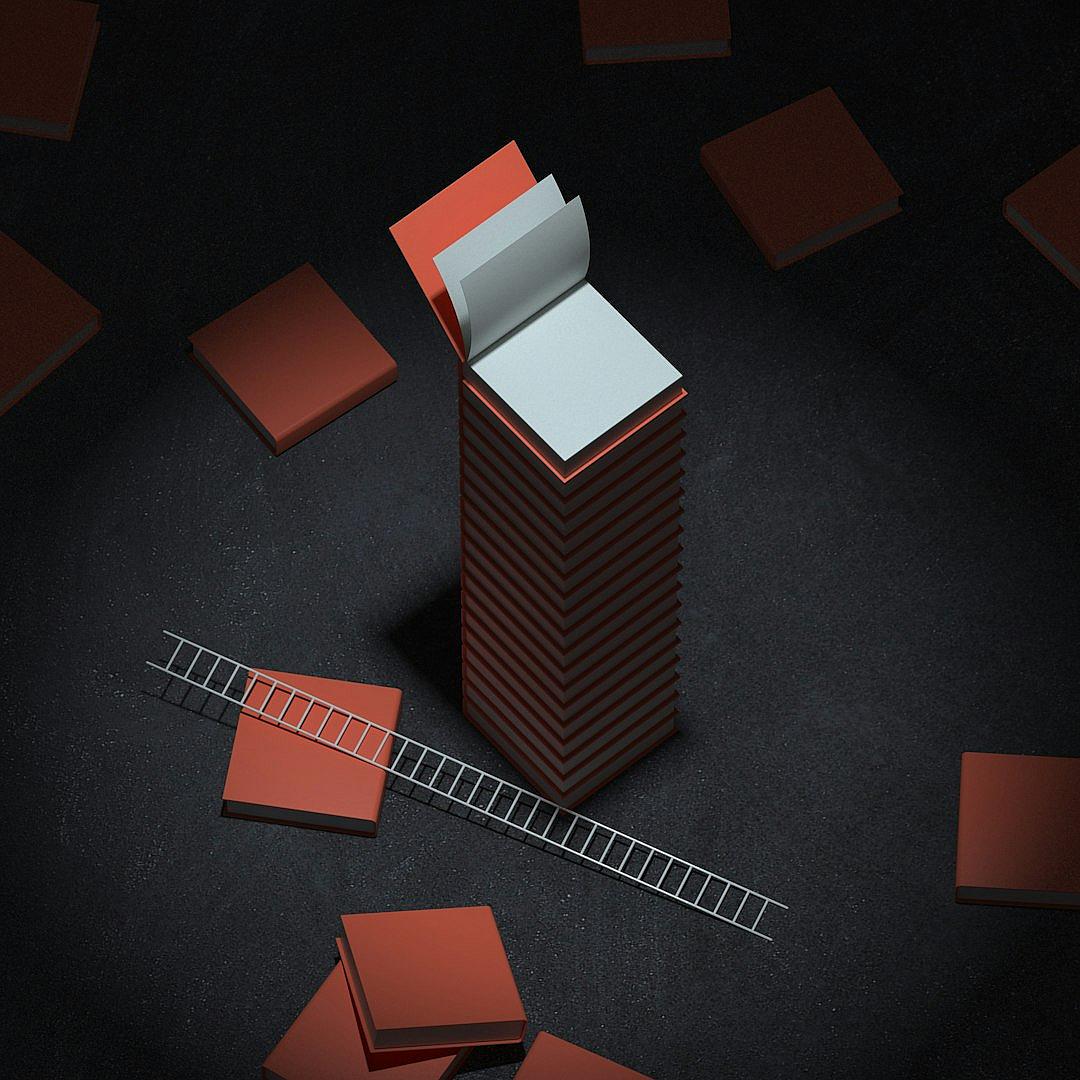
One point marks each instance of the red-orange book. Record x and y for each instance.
(431, 979)
(1018, 834)
(42, 322)
(553, 1059)
(1046, 210)
(326, 1043)
(279, 776)
(802, 178)
(618, 31)
(292, 358)
(45, 52)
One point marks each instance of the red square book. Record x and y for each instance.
(617, 31)
(45, 52)
(1018, 836)
(436, 979)
(42, 322)
(1047, 211)
(802, 178)
(552, 1059)
(325, 1043)
(293, 358)
(279, 776)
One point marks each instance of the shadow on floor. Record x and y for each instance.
(430, 640)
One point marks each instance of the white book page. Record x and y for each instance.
(490, 237)
(575, 373)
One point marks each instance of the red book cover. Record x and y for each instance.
(435, 979)
(293, 358)
(802, 178)
(552, 1059)
(45, 52)
(617, 31)
(326, 1043)
(1018, 834)
(42, 322)
(449, 215)
(279, 776)
(1047, 211)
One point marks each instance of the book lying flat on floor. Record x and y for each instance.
(293, 358)
(278, 776)
(552, 1059)
(1018, 835)
(325, 1043)
(617, 31)
(802, 178)
(1047, 211)
(540, 344)
(42, 322)
(45, 52)
(436, 979)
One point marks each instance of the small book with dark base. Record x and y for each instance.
(42, 322)
(280, 776)
(432, 980)
(292, 358)
(1018, 835)
(553, 1059)
(802, 178)
(326, 1043)
(45, 52)
(1047, 211)
(621, 31)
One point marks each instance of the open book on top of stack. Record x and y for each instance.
(540, 344)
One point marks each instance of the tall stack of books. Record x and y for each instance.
(571, 470)
(414, 992)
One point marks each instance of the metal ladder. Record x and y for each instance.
(498, 802)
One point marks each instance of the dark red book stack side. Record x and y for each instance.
(1046, 210)
(45, 51)
(802, 178)
(554, 1059)
(622, 31)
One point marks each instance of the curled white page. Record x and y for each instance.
(526, 276)
(490, 237)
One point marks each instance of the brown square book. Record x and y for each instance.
(45, 52)
(434, 980)
(42, 322)
(326, 1043)
(553, 1059)
(802, 178)
(1047, 211)
(293, 358)
(1018, 835)
(279, 776)
(620, 31)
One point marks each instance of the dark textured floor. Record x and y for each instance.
(881, 514)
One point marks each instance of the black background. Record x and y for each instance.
(881, 514)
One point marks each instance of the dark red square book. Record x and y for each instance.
(42, 322)
(1047, 211)
(1018, 835)
(802, 178)
(293, 358)
(45, 52)
(326, 1043)
(433, 980)
(618, 31)
(552, 1059)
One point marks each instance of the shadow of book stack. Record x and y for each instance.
(571, 469)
